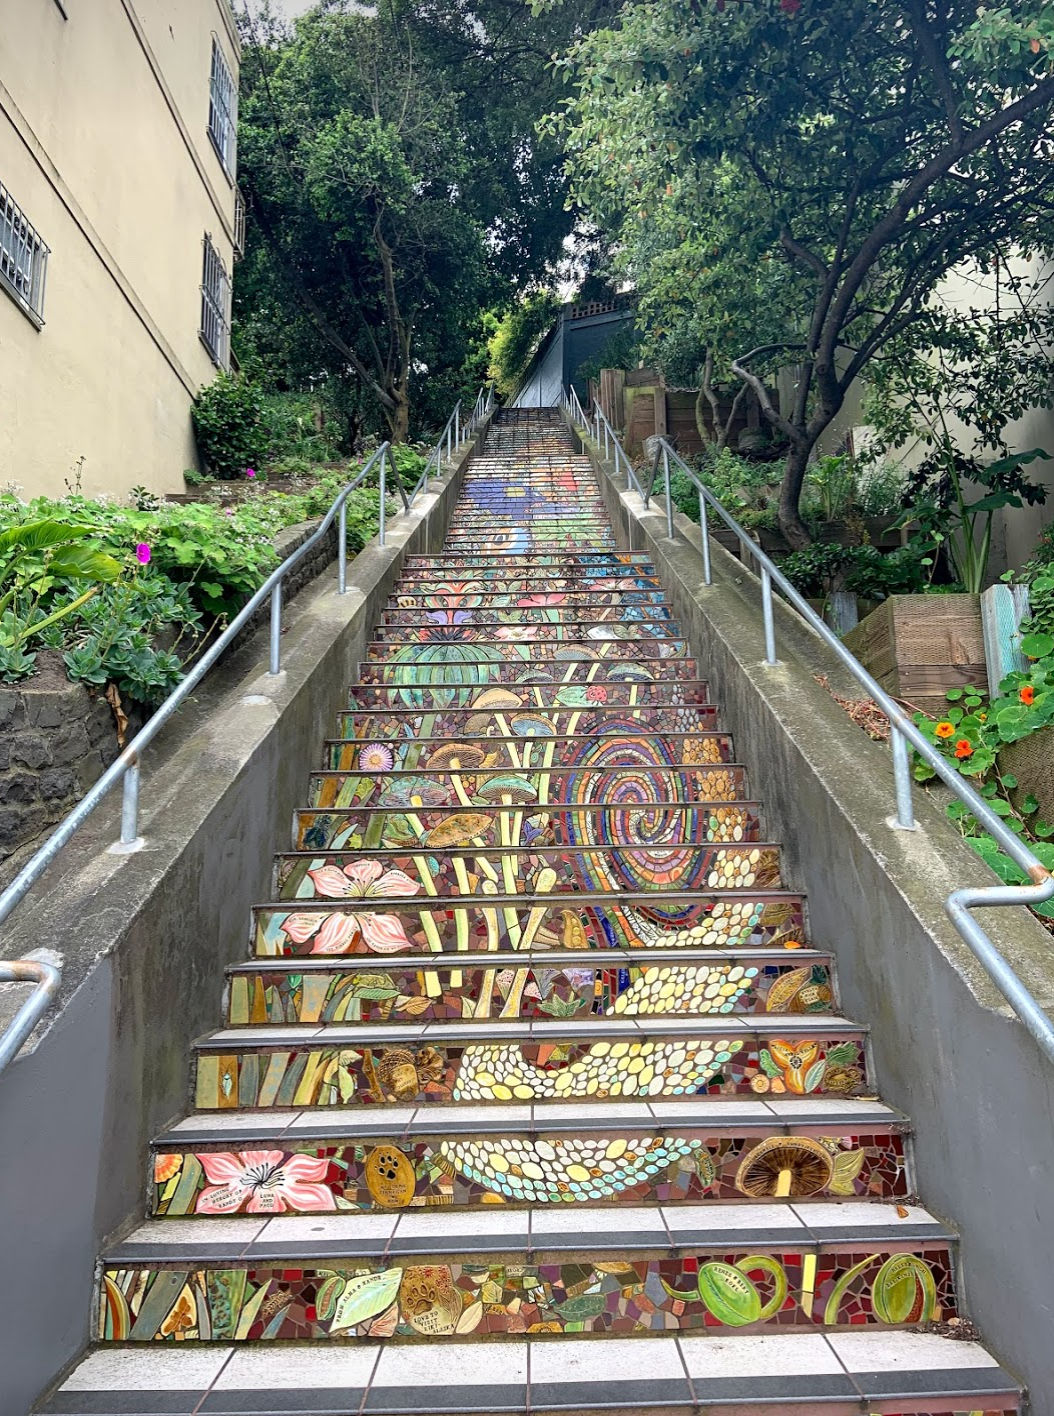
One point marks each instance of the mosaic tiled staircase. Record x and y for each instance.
(531, 1095)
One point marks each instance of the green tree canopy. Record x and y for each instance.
(867, 146)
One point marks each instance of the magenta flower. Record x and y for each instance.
(142, 553)
(271, 1181)
(250, 472)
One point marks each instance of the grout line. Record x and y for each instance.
(370, 1379)
(215, 1378)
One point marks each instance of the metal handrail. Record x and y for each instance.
(46, 977)
(902, 733)
(126, 768)
(455, 433)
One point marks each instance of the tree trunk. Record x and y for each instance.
(398, 418)
(794, 471)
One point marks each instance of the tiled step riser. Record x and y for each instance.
(417, 670)
(520, 616)
(664, 824)
(582, 693)
(488, 786)
(443, 1296)
(457, 873)
(441, 629)
(393, 992)
(500, 580)
(623, 1165)
(419, 1072)
(576, 603)
(478, 647)
(404, 741)
(389, 925)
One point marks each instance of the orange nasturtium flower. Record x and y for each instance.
(1026, 694)
(963, 748)
(944, 730)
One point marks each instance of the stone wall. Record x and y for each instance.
(55, 741)
(57, 737)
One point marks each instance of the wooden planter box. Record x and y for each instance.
(1031, 761)
(919, 646)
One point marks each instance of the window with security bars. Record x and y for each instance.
(223, 111)
(23, 258)
(216, 307)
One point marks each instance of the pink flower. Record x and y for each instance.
(271, 1181)
(376, 757)
(382, 933)
(142, 553)
(529, 601)
(516, 632)
(250, 473)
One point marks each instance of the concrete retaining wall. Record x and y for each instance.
(947, 1048)
(145, 939)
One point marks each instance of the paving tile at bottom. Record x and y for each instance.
(608, 1376)
(137, 1382)
(298, 1381)
(455, 1378)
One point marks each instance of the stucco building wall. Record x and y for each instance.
(104, 146)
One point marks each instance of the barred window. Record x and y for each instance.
(216, 307)
(239, 223)
(23, 258)
(223, 111)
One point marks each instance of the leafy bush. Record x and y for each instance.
(289, 423)
(229, 426)
(749, 491)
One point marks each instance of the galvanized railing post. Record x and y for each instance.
(669, 498)
(130, 805)
(768, 615)
(342, 549)
(902, 780)
(457, 426)
(704, 530)
(276, 629)
(384, 495)
(449, 446)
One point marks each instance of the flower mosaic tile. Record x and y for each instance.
(555, 987)
(544, 694)
(665, 824)
(238, 1070)
(617, 1166)
(478, 646)
(355, 925)
(459, 872)
(589, 779)
(797, 1288)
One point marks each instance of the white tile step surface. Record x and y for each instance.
(800, 1374)
(633, 1230)
(300, 1127)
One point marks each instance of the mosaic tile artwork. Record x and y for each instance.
(568, 1068)
(614, 742)
(704, 922)
(401, 993)
(471, 646)
(627, 781)
(529, 893)
(662, 824)
(627, 1167)
(545, 695)
(462, 872)
(794, 1289)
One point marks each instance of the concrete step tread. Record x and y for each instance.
(499, 1230)
(840, 1374)
(702, 1113)
(590, 1031)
